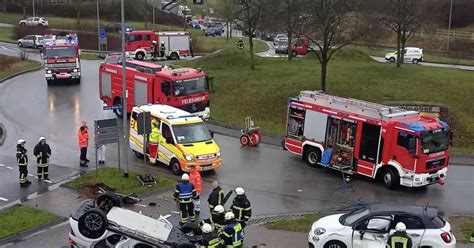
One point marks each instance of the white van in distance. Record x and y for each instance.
(412, 54)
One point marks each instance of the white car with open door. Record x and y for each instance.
(371, 226)
(103, 223)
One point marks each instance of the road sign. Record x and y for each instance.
(112, 107)
(107, 131)
(102, 36)
(144, 123)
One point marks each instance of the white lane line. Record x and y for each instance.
(48, 181)
(10, 168)
(31, 175)
(2, 165)
(3, 199)
(140, 205)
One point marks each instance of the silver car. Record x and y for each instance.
(34, 21)
(280, 38)
(33, 41)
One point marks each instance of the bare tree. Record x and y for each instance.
(250, 13)
(227, 9)
(333, 25)
(403, 19)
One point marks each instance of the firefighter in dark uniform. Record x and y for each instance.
(241, 207)
(162, 50)
(216, 220)
(22, 161)
(210, 238)
(216, 197)
(240, 44)
(233, 234)
(154, 50)
(400, 238)
(184, 195)
(42, 152)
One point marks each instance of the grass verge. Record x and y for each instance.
(11, 65)
(463, 226)
(210, 44)
(90, 56)
(302, 224)
(6, 34)
(263, 93)
(114, 179)
(19, 218)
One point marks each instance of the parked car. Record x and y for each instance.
(103, 223)
(34, 21)
(281, 48)
(267, 36)
(213, 31)
(412, 54)
(33, 41)
(371, 226)
(116, 27)
(218, 25)
(195, 24)
(280, 38)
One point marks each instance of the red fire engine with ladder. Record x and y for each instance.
(358, 137)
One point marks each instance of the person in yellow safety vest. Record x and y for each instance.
(22, 161)
(233, 234)
(241, 207)
(210, 238)
(153, 142)
(42, 152)
(400, 238)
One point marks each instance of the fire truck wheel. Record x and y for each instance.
(139, 56)
(294, 54)
(244, 140)
(92, 224)
(174, 56)
(312, 156)
(176, 167)
(107, 201)
(391, 179)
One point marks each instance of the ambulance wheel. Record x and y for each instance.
(107, 201)
(244, 140)
(391, 179)
(176, 167)
(138, 155)
(140, 56)
(92, 224)
(174, 56)
(312, 156)
(415, 61)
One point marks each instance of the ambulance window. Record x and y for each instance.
(166, 131)
(134, 115)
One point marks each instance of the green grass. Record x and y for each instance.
(428, 57)
(263, 93)
(114, 179)
(10, 18)
(19, 218)
(12, 65)
(6, 34)
(209, 44)
(463, 227)
(90, 56)
(302, 224)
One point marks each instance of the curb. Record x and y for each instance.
(3, 134)
(21, 73)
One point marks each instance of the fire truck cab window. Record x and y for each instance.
(165, 87)
(136, 37)
(147, 37)
(296, 122)
(407, 141)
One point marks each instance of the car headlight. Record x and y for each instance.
(49, 71)
(319, 231)
(188, 157)
(75, 70)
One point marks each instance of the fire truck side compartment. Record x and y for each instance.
(316, 123)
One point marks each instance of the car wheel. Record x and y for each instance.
(391, 179)
(174, 56)
(294, 54)
(415, 61)
(334, 244)
(392, 59)
(176, 167)
(20, 44)
(92, 224)
(312, 157)
(107, 201)
(140, 56)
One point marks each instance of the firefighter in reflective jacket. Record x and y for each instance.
(400, 238)
(154, 138)
(241, 207)
(184, 195)
(233, 234)
(216, 220)
(42, 152)
(22, 161)
(216, 197)
(210, 238)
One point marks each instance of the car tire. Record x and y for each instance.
(92, 224)
(107, 201)
(174, 56)
(334, 244)
(390, 178)
(294, 54)
(392, 59)
(312, 156)
(176, 167)
(140, 56)
(20, 44)
(415, 61)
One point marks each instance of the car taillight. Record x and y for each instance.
(446, 237)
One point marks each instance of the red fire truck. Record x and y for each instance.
(61, 56)
(148, 83)
(358, 137)
(138, 46)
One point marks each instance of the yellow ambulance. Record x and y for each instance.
(184, 141)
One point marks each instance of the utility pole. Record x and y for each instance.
(34, 12)
(153, 13)
(98, 26)
(449, 25)
(126, 144)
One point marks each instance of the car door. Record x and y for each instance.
(36, 21)
(29, 21)
(415, 227)
(372, 232)
(28, 41)
(166, 144)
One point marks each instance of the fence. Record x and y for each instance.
(444, 33)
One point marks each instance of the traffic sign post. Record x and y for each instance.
(106, 132)
(102, 39)
(144, 128)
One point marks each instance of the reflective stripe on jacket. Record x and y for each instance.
(21, 157)
(234, 234)
(216, 197)
(185, 192)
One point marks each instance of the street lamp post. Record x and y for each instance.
(449, 25)
(125, 94)
(153, 13)
(34, 12)
(98, 26)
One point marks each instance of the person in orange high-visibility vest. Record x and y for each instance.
(83, 136)
(195, 179)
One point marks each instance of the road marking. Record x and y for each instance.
(2, 165)
(3, 199)
(140, 205)
(10, 168)
(31, 175)
(48, 181)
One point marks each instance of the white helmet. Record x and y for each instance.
(20, 142)
(240, 191)
(206, 228)
(185, 177)
(229, 216)
(400, 227)
(41, 139)
(162, 42)
(219, 209)
(154, 42)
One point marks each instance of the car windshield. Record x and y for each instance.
(190, 86)
(434, 141)
(191, 133)
(350, 218)
(60, 52)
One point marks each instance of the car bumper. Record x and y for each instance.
(423, 179)
(203, 166)
(67, 75)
